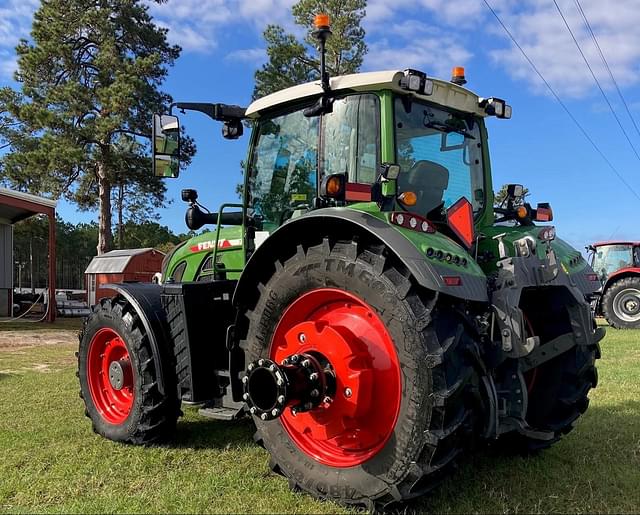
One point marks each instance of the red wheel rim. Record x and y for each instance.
(112, 402)
(346, 331)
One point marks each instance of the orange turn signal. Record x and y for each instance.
(321, 20)
(408, 198)
(522, 212)
(334, 185)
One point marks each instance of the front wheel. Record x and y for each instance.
(621, 303)
(397, 412)
(119, 382)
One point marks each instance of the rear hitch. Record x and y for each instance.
(302, 382)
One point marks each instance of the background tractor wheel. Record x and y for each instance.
(621, 303)
(118, 378)
(400, 410)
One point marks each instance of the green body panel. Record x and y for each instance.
(570, 259)
(387, 135)
(424, 241)
(198, 248)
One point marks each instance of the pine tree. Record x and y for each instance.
(89, 80)
(293, 62)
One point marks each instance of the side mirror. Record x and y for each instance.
(165, 141)
(515, 190)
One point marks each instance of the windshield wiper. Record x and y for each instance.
(443, 127)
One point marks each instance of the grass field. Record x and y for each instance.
(50, 460)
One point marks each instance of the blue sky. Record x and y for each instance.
(539, 147)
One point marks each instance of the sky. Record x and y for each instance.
(539, 147)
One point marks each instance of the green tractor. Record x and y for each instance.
(366, 305)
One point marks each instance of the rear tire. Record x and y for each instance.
(133, 411)
(621, 303)
(558, 391)
(434, 415)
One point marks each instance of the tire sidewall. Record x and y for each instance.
(101, 319)
(370, 479)
(608, 300)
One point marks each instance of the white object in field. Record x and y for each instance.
(260, 237)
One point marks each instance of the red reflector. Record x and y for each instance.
(460, 219)
(452, 280)
(543, 214)
(358, 192)
(593, 277)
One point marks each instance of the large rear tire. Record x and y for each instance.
(621, 303)
(119, 382)
(417, 401)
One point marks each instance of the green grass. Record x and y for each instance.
(50, 461)
(27, 325)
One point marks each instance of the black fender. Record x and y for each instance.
(347, 223)
(145, 299)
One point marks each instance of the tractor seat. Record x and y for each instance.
(428, 180)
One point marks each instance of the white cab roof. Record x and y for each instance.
(444, 93)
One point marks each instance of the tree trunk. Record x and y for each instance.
(105, 238)
(120, 208)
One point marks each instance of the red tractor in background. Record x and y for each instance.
(618, 265)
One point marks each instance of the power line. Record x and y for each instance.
(562, 104)
(604, 95)
(606, 64)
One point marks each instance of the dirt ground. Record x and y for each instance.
(16, 339)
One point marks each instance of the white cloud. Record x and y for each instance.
(248, 55)
(541, 32)
(416, 45)
(15, 23)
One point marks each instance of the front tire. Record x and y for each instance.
(365, 298)
(119, 382)
(621, 303)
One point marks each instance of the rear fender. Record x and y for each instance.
(145, 299)
(348, 223)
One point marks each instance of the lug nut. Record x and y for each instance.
(275, 412)
(327, 400)
(347, 392)
(302, 338)
(313, 376)
(279, 382)
(294, 358)
(261, 362)
(294, 411)
(245, 379)
(281, 399)
(315, 393)
(252, 410)
(306, 363)
(246, 396)
(272, 368)
(285, 361)
(264, 416)
(250, 367)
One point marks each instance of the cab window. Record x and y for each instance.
(350, 138)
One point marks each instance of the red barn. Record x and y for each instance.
(120, 266)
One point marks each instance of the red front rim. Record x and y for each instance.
(112, 402)
(362, 414)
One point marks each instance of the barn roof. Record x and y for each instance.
(115, 261)
(16, 205)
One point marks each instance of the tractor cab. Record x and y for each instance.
(608, 258)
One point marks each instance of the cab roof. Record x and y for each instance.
(444, 92)
(614, 242)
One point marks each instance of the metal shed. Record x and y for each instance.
(16, 206)
(117, 266)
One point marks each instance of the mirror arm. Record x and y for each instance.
(218, 112)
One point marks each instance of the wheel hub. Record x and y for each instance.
(626, 305)
(119, 372)
(110, 376)
(348, 415)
